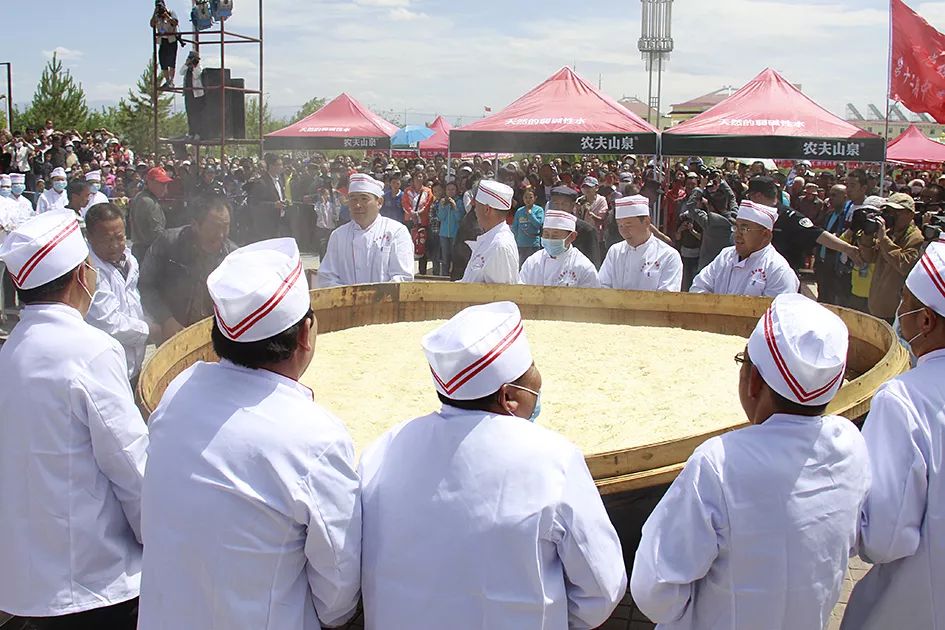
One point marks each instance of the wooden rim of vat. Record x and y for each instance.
(635, 467)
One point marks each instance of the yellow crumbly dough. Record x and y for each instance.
(605, 387)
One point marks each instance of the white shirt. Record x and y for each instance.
(116, 309)
(381, 253)
(493, 258)
(250, 510)
(13, 212)
(476, 521)
(903, 524)
(764, 273)
(757, 530)
(652, 266)
(51, 200)
(24, 206)
(72, 457)
(570, 269)
(94, 200)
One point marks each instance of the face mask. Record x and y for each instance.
(95, 188)
(18, 189)
(59, 186)
(906, 343)
(537, 410)
(6, 192)
(85, 288)
(555, 247)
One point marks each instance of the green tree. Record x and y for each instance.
(270, 124)
(106, 117)
(309, 108)
(58, 96)
(135, 114)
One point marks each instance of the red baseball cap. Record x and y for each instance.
(159, 175)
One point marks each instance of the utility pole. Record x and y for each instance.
(655, 45)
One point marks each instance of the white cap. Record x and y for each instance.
(800, 350)
(765, 216)
(926, 281)
(5, 180)
(260, 290)
(93, 176)
(558, 220)
(44, 248)
(17, 178)
(873, 201)
(363, 183)
(590, 181)
(494, 195)
(632, 206)
(58, 172)
(478, 351)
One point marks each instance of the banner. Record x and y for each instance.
(917, 79)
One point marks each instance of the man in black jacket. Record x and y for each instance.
(267, 199)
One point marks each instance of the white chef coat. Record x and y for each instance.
(570, 269)
(72, 457)
(381, 253)
(902, 529)
(51, 200)
(250, 510)
(94, 200)
(493, 258)
(652, 266)
(757, 530)
(479, 521)
(24, 208)
(764, 273)
(116, 309)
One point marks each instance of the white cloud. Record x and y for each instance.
(401, 14)
(383, 3)
(64, 54)
(107, 91)
(933, 12)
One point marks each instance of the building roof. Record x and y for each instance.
(701, 103)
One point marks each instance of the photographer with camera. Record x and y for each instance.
(712, 209)
(891, 239)
(930, 213)
(165, 23)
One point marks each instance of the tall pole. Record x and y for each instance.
(9, 66)
(261, 130)
(154, 86)
(882, 173)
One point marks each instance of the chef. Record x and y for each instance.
(55, 194)
(641, 262)
(369, 248)
(17, 188)
(903, 522)
(94, 178)
(564, 198)
(72, 443)
(494, 258)
(752, 266)
(558, 263)
(250, 509)
(757, 529)
(504, 528)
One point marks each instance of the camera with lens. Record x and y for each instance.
(933, 227)
(866, 220)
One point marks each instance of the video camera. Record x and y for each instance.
(932, 227)
(866, 220)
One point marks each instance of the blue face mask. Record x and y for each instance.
(95, 188)
(18, 189)
(906, 343)
(555, 247)
(6, 192)
(59, 186)
(537, 410)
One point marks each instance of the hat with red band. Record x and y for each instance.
(479, 350)
(494, 194)
(259, 291)
(44, 248)
(800, 350)
(632, 206)
(363, 183)
(558, 220)
(926, 281)
(765, 216)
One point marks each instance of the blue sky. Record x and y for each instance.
(453, 58)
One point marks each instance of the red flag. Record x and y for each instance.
(917, 79)
(488, 109)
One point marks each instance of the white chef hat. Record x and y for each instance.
(58, 172)
(364, 183)
(800, 350)
(44, 248)
(476, 352)
(632, 206)
(260, 290)
(558, 220)
(93, 176)
(763, 215)
(5, 180)
(926, 281)
(494, 194)
(17, 178)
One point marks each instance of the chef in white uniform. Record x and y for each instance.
(757, 530)
(17, 188)
(54, 197)
(250, 510)
(752, 266)
(903, 524)
(72, 443)
(474, 515)
(369, 248)
(641, 262)
(94, 178)
(116, 305)
(494, 257)
(558, 263)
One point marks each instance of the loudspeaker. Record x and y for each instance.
(235, 123)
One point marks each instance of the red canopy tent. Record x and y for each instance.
(769, 117)
(915, 149)
(439, 142)
(565, 114)
(344, 123)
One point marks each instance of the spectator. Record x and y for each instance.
(267, 199)
(165, 23)
(393, 199)
(714, 216)
(831, 269)
(690, 242)
(79, 193)
(450, 212)
(416, 203)
(811, 205)
(147, 216)
(527, 224)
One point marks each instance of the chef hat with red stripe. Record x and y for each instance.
(926, 281)
(479, 350)
(631, 206)
(44, 248)
(800, 350)
(558, 220)
(363, 183)
(259, 291)
(765, 216)
(494, 194)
